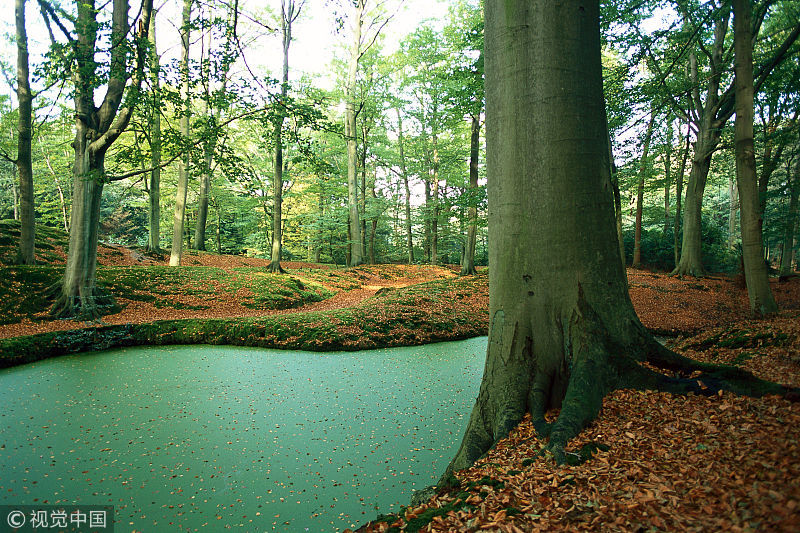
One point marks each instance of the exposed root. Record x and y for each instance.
(467, 271)
(91, 305)
(275, 268)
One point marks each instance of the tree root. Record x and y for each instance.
(275, 268)
(97, 303)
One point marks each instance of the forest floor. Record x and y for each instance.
(650, 462)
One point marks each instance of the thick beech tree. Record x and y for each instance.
(755, 270)
(562, 330)
(96, 129)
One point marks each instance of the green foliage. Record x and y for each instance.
(658, 248)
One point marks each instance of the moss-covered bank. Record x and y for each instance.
(428, 312)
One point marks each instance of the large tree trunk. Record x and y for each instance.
(755, 269)
(676, 228)
(26, 254)
(409, 236)
(691, 262)
(96, 129)
(354, 223)
(562, 331)
(435, 199)
(791, 220)
(154, 191)
(178, 219)
(643, 170)
(709, 128)
(558, 295)
(199, 240)
(468, 264)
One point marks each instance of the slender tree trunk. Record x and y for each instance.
(409, 236)
(435, 198)
(643, 169)
(617, 198)
(219, 229)
(62, 202)
(356, 250)
(154, 192)
(676, 229)
(373, 226)
(790, 229)
(468, 264)
(288, 16)
(755, 270)
(178, 220)
(26, 253)
(667, 177)
(428, 209)
(15, 194)
(208, 158)
(733, 210)
(363, 196)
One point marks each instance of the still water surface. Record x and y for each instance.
(188, 438)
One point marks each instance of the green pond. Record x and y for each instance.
(186, 438)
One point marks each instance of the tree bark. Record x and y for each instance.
(468, 265)
(288, 16)
(558, 296)
(404, 173)
(96, 129)
(709, 128)
(643, 169)
(178, 219)
(435, 200)
(755, 269)
(154, 191)
(356, 250)
(733, 209)
(26, 252)
(676, 229)
(667, 176)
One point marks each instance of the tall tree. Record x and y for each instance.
(289, 13)
(468, 263)
(644, 167)
(178, 219)
(357, 18)
(755, 269)
(154, 188)
(790, 227)
(562, 330)
(407, 188)
(96, 129)
(709, 116)
(366, 28)
(27, 236)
